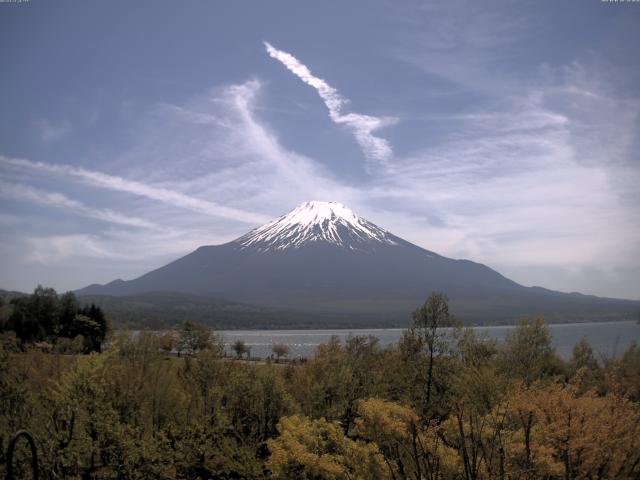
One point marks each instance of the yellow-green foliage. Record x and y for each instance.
(410, 445)
(572, 436)
(354, 411)
(310, 449)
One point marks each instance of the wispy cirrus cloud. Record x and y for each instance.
(518, 145)
(362, 126)
(120, 184)
(20, 192)
(236, 157)
(121, 247)
(56, 248)
(533, 154)
(225, 153)
(277, 171)
(507, 189)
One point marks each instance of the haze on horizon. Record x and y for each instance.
(501, 132)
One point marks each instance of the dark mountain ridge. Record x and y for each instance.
(322, 259)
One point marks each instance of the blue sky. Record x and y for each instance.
(503, 132)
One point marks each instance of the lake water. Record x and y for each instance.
(607, 338)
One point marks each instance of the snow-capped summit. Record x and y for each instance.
(322, 259)
(315, 221)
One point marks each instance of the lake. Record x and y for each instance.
(607, 338)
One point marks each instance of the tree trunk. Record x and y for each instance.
(463, 446)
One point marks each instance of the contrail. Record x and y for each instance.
(362, 126)
(54, 199)
(120, 184)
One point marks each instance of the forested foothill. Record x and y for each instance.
(441, 403)
(50, 321)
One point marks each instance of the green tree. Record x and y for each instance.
(241, 348)
(5, 313)
(45, 316)
(583, 356)
(168, 341)
(23, 322)
(89, 329)
(323, 385)
(428, 322)
(95, 313)
(196, 337)
(473, 426)
(528, 353)
(43, 305)
(67, 310)
(280, 350)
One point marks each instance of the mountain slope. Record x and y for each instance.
(323, 258)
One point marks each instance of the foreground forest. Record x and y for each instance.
(440, 404)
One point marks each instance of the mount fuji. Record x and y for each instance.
(322, 258)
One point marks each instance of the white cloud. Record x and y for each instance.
(57, 248)
(124, 247)
(30, 194)
(362, 126)
(120, 184)
(526, 184)
(238, 158)
(511, 187)
(507, 189)
(233, 158)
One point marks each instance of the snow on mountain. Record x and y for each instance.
(315, 221)
(323, 259)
